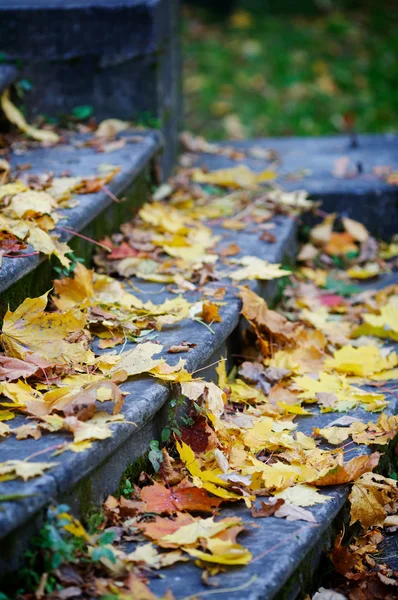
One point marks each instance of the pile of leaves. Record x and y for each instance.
(240, 440)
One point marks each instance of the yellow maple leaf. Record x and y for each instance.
(73, 525)
(43, 242)
(138, 360)
(200, 529)
(31, 203)
(236, 177)
(370, 495)
(31, 330)
(257, 268)
(363, 361)
(176, 373)
(334, 435)
(368, 271)
(149, 556)
(164, 217)
(74, 291)
(16, 118)
(10, 189)
(224, 552)
(302, 495)
(11, 469)
(210, 480)
(384, 325)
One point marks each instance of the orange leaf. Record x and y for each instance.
(210, 313)
(159, 499)
(162, 526)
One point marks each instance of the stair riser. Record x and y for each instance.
(377, 210)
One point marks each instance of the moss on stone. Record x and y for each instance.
(133, 471)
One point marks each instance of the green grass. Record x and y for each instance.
(285, 75)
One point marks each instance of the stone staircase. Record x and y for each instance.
(286, 554)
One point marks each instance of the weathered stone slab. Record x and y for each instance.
(310, 164)
(96, 214)
(122, 57)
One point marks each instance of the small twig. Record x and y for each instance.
(21, 255)
(208, 366)
(84, 237)
(49, 449)
(112, 195)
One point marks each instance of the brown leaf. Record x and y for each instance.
(230, 250)
(350, 471)
(345, 561)
(268, 321)
(266, 509)
(178, 349)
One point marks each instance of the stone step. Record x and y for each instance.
(286, 554)
(361, 191)
(121, 59)
(85, 479)
(95, 216)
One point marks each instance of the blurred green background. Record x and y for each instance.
(262, 68)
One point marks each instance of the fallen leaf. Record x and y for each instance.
(302, 495)
(210, 313)
(149, 556)
(11, 469)
(159, 499)
(291, 512)
(369, 497)
(200, 529)
(257, 268)
(349, 471)
(30, 330)
(138, 360)
(16, 118)
(267, 509)
(235, 177)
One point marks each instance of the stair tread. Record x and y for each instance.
(82, 161)
(317, 156)
(308, 163)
